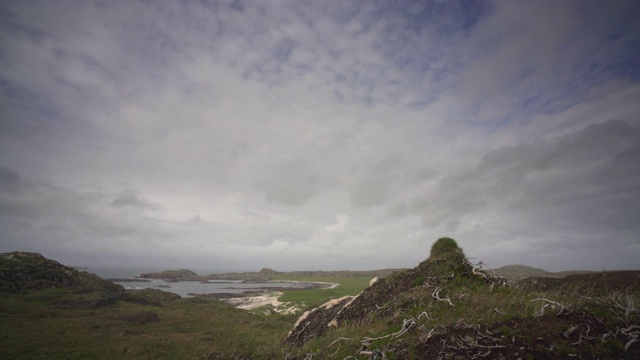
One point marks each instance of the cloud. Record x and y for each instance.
(342, 220)
(523, 52)
(570, 192)
(130, 199)
(321, 135)
(293, 183)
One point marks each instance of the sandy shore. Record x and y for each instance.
(271, 298)
(320, 284)
(253, 302)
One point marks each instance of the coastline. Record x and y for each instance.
(271, 298)
(219, 288)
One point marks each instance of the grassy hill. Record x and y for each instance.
(51, 311)
(445, 308)
(519, 272)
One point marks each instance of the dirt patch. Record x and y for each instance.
(570, 336)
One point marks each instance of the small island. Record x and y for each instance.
(180, 274)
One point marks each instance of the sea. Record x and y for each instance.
(185, 288)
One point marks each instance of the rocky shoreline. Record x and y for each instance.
(256, 297)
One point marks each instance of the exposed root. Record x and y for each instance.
(407, 324)
(338, 339)
(552, 304)
(624, 306)
(431, 333)
(436, 295)
(491, 279)
(475, 346)
(425, 315)
(374, 355)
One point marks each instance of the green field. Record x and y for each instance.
(32, 328)
(35, 326)
(441, 307)
(312, 297)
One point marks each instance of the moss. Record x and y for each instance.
(507, 331)
(418, 280)
(447, 258)
(444, 246)
(564, 349)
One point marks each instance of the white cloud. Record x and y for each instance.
(244, 133)
(342, 220)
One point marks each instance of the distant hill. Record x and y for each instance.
(519, 272)
(596, 283)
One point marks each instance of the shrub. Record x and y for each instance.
(444, 246)
(447, 258)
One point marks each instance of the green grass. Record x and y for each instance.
(32, 328)
(485, 306)
(37, 325)
(66, 323)
(312, 297)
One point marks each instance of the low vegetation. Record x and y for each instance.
(312, 297)
(446, 307)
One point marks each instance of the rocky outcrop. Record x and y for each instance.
(25, 272)
(21, 271)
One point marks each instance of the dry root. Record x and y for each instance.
(475, 346)
(625, 307)
(436, 295)
(491, 279)
(552, 304)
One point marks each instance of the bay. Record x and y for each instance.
(184, 288)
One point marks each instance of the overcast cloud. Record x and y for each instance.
(236, 135)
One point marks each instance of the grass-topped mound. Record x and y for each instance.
(446, 266)
(446, 248)
(431, 279)
(450, 308)
(446, 258)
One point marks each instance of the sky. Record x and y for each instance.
(307, 135)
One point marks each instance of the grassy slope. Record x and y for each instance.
(503, 311)
(31, 328)
(511, 322)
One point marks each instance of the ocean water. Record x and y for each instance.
(184, 288)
